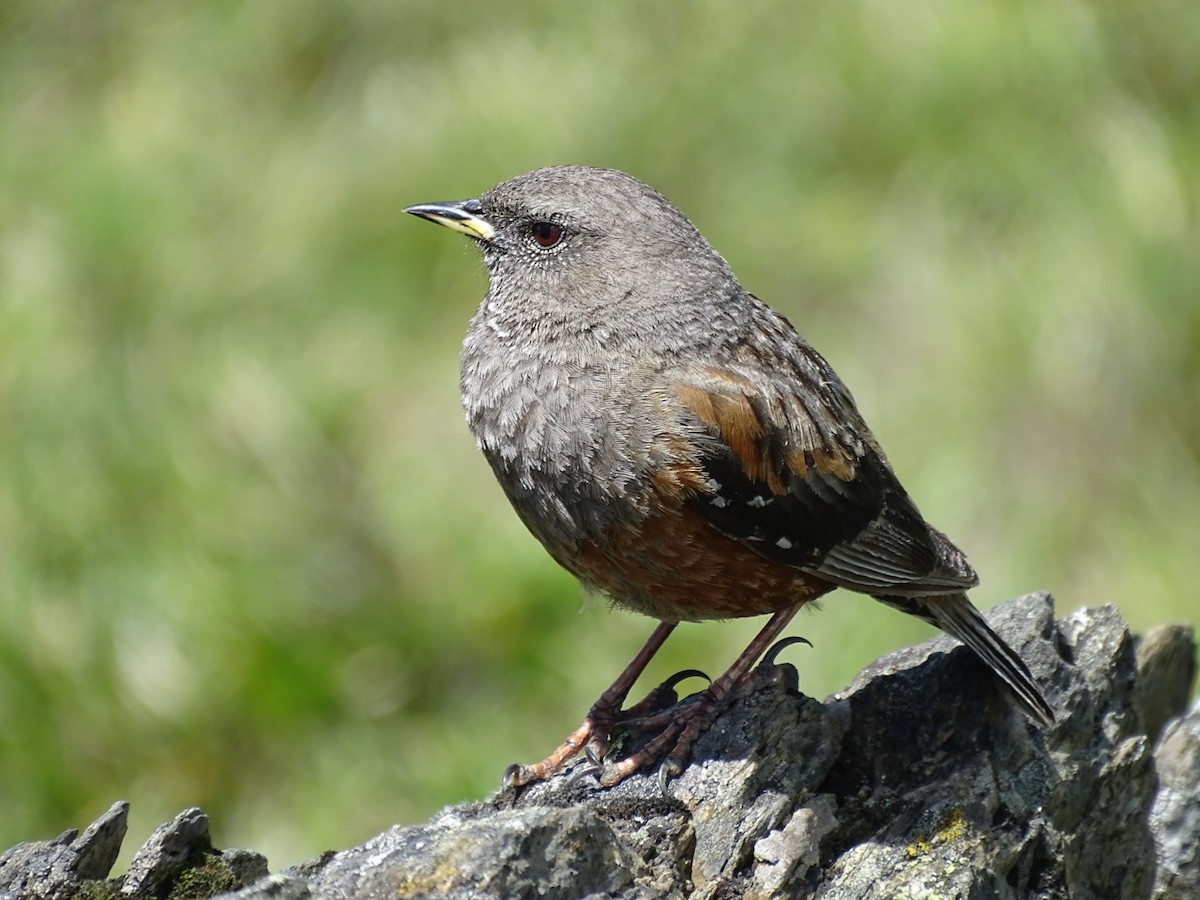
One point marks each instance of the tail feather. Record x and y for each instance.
(954, 614)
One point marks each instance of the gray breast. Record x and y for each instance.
(564, 435)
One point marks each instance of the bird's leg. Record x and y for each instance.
(687, 721)
(592, 734)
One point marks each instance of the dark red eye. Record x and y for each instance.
(546, 234)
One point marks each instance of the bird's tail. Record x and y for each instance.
(954, 614)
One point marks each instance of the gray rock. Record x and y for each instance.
(1166, 668)
(920, 779)
(178, 857)
(1175, 813)
(168, 852)
(52, 869)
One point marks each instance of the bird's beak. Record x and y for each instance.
(461, 215)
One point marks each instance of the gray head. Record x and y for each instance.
(587, 245)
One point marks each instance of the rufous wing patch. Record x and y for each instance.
(805, 461)
(733, 417)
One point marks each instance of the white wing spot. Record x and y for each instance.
(783, 544)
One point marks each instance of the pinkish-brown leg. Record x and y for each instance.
(593, 731)
(688, 720)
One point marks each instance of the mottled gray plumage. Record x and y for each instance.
(565, 339)
(671, 439)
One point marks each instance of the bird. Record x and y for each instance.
(674, 443)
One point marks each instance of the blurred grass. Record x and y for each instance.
(249, 557)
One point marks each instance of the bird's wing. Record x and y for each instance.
(791, 470)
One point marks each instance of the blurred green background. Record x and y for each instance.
(249, 556)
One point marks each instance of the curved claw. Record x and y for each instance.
(675, 680)
(512, 777)
(594, 755)
(668, 770)
(778, 647)
(660, 699)
(583, 770)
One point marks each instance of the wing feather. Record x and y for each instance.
(796, 475)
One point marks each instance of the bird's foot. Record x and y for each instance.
(671, 731)
(675, 729)
(592, 737)
(589, 730)
(669, 725)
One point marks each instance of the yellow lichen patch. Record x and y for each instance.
(442, 879)
(919, 847)
(952, 829)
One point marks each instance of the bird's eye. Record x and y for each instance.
(546, 234)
